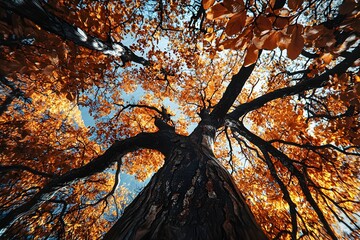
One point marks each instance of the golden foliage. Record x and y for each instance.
(53, 84)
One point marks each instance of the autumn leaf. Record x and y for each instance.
(271, 41)
(217, 11)
(297, 43)
(281, 22)
(236, 23)
(327, 57)
(207, 3)
(228, 44)
(294, 4)
(284, 40)
(251, 55)
(234, 6)
(263, 23)
(74, 114)
(48, 69)
(70, 96)
(347, 7)
(282, 12)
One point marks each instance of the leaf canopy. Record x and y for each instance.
(287, 124)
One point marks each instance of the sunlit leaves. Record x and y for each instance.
(217, 11)
(191, 66)
(207, 3)
(251, 55)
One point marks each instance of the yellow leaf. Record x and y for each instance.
(236, 23)
(251, 55)
(327, 57)
(207, 3)
(209, 37)
(217, 11)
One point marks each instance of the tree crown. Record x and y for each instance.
(275, 84)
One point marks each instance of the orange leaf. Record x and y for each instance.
(284, 41)
(327, 57)
(217, 11)
(282, 12)
(70, 96)
(297, 43)
(228, 44)
(234, 6)
(212, 54)
(209, 37)
(236, 23)
(294, 4)
(263, 23)
(251, 55)
(207, 3)
(347, 7)
(259, 41)
(48, 69)
(281, 22)
(271, 42)
(313, 32)
(244, 38)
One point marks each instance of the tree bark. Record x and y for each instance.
(191, 197)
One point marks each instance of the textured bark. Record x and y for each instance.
(191, 197)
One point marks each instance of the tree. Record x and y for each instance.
(246, 142)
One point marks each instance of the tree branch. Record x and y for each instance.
(232, 92)
(34, 11)
(302, 86)
(286, 162)
(5, 168)
(15, 93)
(99, 164)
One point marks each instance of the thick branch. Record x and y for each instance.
(232, 92)
(286, 162)
(286, 194)
(34, 11)
(302, 86)
(4, 169)
(99, 164)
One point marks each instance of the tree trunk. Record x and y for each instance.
(191, 197)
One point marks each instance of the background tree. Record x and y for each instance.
(246, 111)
